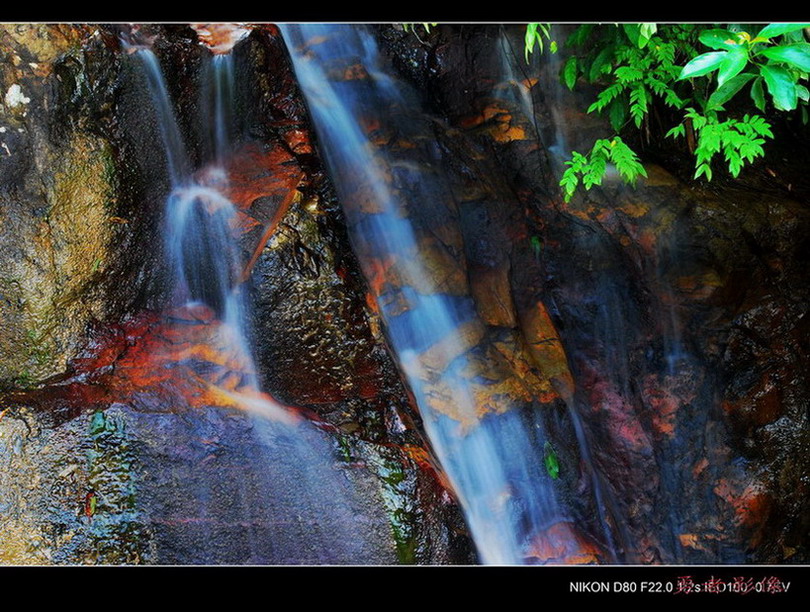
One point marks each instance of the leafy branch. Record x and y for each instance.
(590, 169)
(640, 65)
(535, 33)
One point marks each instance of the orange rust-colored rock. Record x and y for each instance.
(547, 350)
(750, 501)
(563, 544)
(492, 294)
(663, 402)
(184, 359)
(512, 349)
(221, 37)
(442, 352)
(262, 185)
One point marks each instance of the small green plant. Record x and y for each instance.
(550, 460)
(590, 169)
(410, 27)
(739, 140)
(535, 33)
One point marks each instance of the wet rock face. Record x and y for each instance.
(668, 321)
(80, 195)
(680, 311)
(69, 494)
(118, 464)
(121, 486)
(58, 185)
(319, 342)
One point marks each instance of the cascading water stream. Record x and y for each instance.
(493, 460)
(218, 97)
(290, 504)
(200, 220)
(176, 158)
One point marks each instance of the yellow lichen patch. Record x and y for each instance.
(514, 352)
(547, 350)
(635, 209)
(79, 215)
(18, 545)
(65, 254)
(45, 42)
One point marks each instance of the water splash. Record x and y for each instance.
(492, 460)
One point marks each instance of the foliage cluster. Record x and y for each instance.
(699, 71)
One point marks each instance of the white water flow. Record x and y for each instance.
(294, 505)
(218, 90)
(200, 221)
(494, 465)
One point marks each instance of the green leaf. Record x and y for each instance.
(529, 38)
(803, 93)
(757, 94)
(728, 90)
(570, 72)
(703, 64)
(633, 31)
(605, 96)
(678, 130)
(580, 35)
(704, 169)
(617, 114)
(781, 86)
(551, 461)
(646, 31)
(628, 74)
(719, 39)
(804, 115)
(537, 246)
(794, 37)
(777, 29)
(797, 55)
(638, 104)
(732, 64)
(599, 62)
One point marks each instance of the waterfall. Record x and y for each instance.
(291, 503)
(494, 461)
(218, 103)
(200, 220)
(173, 147)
